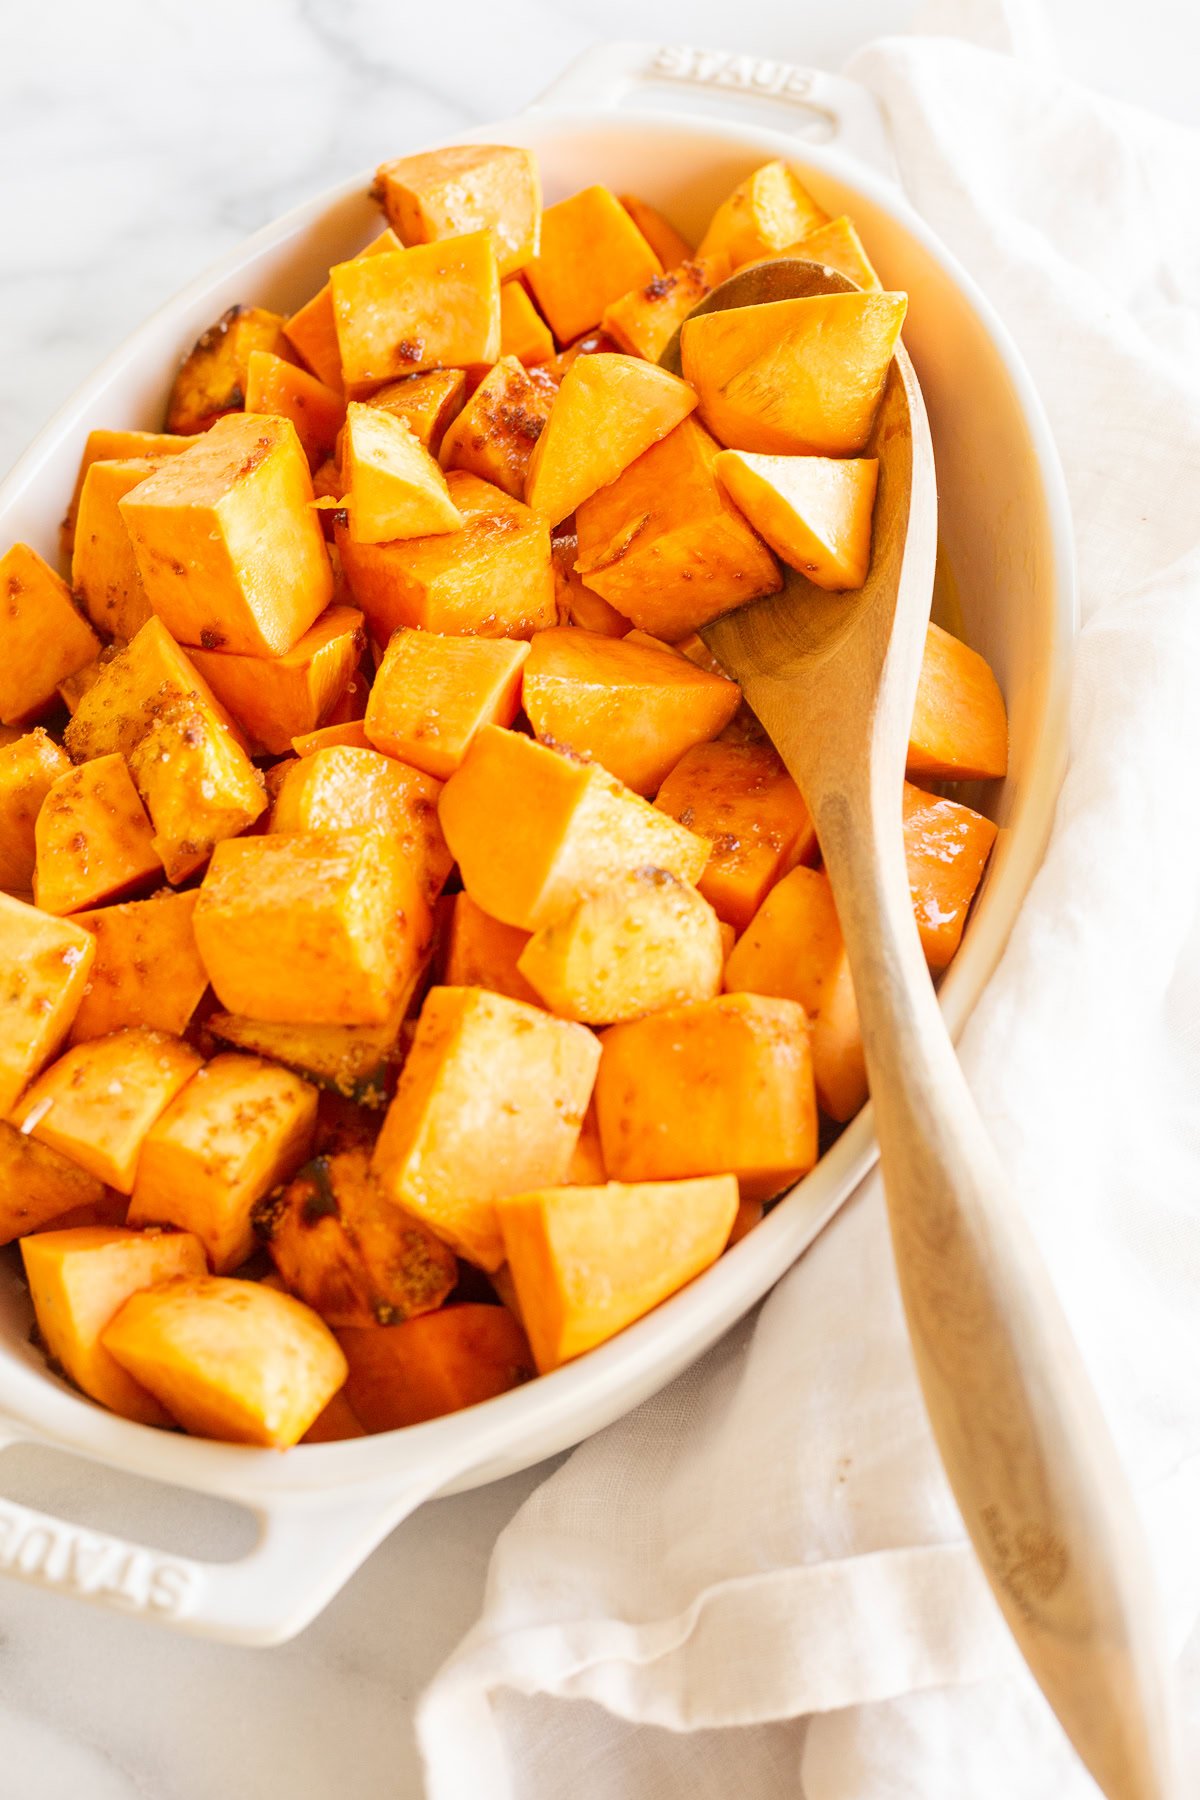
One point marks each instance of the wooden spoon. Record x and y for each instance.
(832, 678)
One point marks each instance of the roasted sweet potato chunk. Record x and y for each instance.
(94, 841)
(43, 639)
(403, 1374)
(115, 446)
(312, 331)
(591, 253)
(141, 683)
(632, 707)
(767, 211)
(350, 788)
(814, 511)
(283, 391)
(670, 247)
(228, 545)
(838, 246)
(481, 952)
(665, 545)
(587, 1261)
(490, 1102)
(38, 1187)
(394, 488)
(29, 767)
(104, 568)
(496, 433)
(198, 784)
(147, 969)
(212, 378)
(427, 403)
(78, 1280)
(44, 966)
(946, 847)
(229, 1359)
(278, 698)
(530, 827)
(644, 321)
(523, 331)
(608, 410)
(347, 1252)
(960, 728)
(407, 310)
(462, 189)
(433, 695)
(355, 1061)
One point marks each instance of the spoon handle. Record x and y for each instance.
(1020, 1433)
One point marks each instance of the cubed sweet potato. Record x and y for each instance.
(523, 331)
(591, 252)
(644, 321)
(348, 788)
(795, 377)
(767, 211)
(741, 798)
(496, 433)
(212, 378)
(394, 487)
(577, 604)
(640, 942)
(946, 847)
(38, 1187)
(404, 1374)
(114, 446)
(78, 1281)
(104, 568)
(432, 696)
(320, 928)
(239, 1128)
(669, 245)
(404, 311)
(466, 188)
(147, 969)
(44, 966)
(960, 729)
(29, 767)
(229, 1359)
(530, 828)
(227, 542)
(632, 707)
(837, 246)
(491, 579)
(814, 511)
(198, 784)
(278, 698)
(99, 1100)
(284, 391)
(481, 952)
(312, 331)
(587, 1261)
(490, 1102)
(665, 545)
(348, 734)
(94, 841)
(43, 639)
(722, 1086)
(608, 411)
(345, 1250)
(133, 688)
(357, 1062)
(427, 403)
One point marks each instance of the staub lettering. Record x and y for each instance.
(95, 1567)
(718, 68)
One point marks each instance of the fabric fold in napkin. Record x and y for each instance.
(758, 1582)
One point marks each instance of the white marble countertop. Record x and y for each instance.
(141, 138)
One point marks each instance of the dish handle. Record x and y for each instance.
(308, 1547)
(828, 108)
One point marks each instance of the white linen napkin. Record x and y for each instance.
(758, 1583)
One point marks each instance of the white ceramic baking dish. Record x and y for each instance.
(615, 116)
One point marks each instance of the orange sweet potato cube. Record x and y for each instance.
(99, 1100)
(462, 189)
(354, 1063)
(38, 1187)
(212, 378)
(587, 1261)
(29, 767)
(838, 246)
(795, 377)
(489, 1103)
(495, 434)
(665, 545)
(198, 784)
(814, 511)
(960, 728)
(104, 569)
(229, 1359)
(632, 707)
(531, 827)
(275, 699)
(491, 579)
(427, 1367)
(724, 1086)
(670, 247)
(115, 446)
(608, 410)
(394, 487)
(43, 639)
(320, 928)
(283, 391)
(312, 330)
(407, 310)
(133, 688)
(946, 847)
(147, 969)
(741, 798)
(591, 253)
(767, 211)
(79, 1280)
(239, 1128)
(348, 787)
(483, 953)
(230, 551)
(94, 841)
(523, 331)
(644, 321)
(44, 966)
(347, 1252)
(427, 403)
(432, 696)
